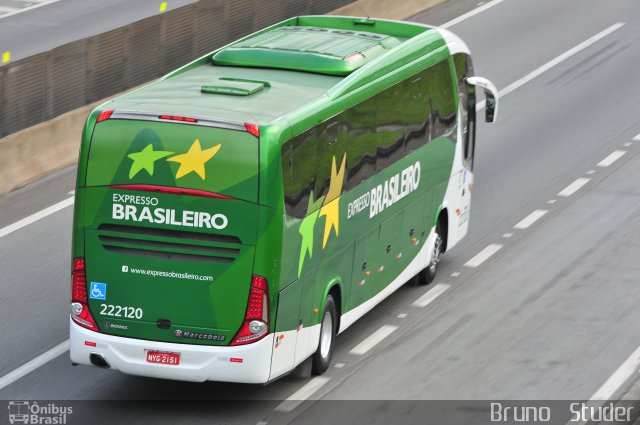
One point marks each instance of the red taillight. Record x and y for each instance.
(256, 319)
(178, 118)
(104, 115)
(79, 303)
(252, 129)
(78, 281)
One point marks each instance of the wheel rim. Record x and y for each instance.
(326, 334)
(435, 257)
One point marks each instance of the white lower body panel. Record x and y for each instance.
(198, 363)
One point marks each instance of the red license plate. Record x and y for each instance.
(163, 357)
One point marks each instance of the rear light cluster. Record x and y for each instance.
(79, 303)
(178, 118)
(252, 129)
(104, 115)
(256, 319)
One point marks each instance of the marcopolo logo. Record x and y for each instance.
(198, 335)
(26, 412)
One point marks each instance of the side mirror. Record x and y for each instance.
(491, 94)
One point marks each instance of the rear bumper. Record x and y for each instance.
(198, 363)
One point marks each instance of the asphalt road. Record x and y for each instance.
(551, 315)
(53, 24)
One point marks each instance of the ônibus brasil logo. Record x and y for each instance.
(26, 412)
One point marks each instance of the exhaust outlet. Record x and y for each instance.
(98, 360)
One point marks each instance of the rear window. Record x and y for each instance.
(178, 155)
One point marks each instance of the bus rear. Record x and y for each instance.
(166, 226)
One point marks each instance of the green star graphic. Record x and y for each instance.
(144, 160)
(306, 229)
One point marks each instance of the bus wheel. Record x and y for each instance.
(322, 357)
(429, 273)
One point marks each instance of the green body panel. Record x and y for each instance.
(115, 157)
(395, 227)
(169, 271)
(259, 237)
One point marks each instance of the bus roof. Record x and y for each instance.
(279, 70)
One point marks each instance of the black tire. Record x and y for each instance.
(428, 275)
(322, 357)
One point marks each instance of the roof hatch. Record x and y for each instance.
(235, 86)
(311, 49)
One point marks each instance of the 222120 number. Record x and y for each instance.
(120, 311)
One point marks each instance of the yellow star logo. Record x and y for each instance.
(194, 159)
(331, 207)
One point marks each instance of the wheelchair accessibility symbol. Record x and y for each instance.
(98, 291)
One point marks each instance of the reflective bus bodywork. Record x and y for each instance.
(236, 215)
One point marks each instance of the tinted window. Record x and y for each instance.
(417, 109)
(375, 134)
(362, 144)
(298, 172)
(440, 87)
(331, 142)
(391, 123)
(464, 69)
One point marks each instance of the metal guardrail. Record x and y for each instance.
(43, 86)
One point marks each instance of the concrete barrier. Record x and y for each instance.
(34, 152)
(388, 9)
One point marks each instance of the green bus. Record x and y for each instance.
(234, 216)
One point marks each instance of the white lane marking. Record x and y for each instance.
(29, 367)
(471, 13)
(35, 217)
(613, 157)
(551, 201)
(340, 365)
(554, 62)
(431, 295)
(637, 138)
(526, 222)
(71, 192)
(483, 255)
(6, 9)
(373, 340)
(566, 55)
(591, 172)
(24, 9)
(626, 145)
(302, 394)
(455, 274)
(402, 316)
(619, 377)
(574, 187)
(507, 235)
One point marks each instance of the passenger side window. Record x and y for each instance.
(375, 134)
(417, 113)
(362, 143)
(331, 142)
(390, 125)
(299, 172)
